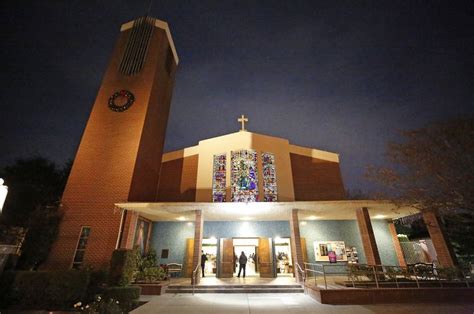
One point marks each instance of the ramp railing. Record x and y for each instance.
(339, 276)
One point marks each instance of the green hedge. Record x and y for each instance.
(127, 296)
(43, 290)
(123, 266)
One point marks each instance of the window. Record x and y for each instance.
(165, 253)
(81, 247)
(269, 178)
(244, 176)
(218, 180)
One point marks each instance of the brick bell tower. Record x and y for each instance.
(120, 152)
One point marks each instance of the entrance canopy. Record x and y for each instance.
(267, 211)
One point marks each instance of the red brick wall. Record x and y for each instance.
(316, 179)
(178, 180)
(119, 156)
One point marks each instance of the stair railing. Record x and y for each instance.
(302, 273)
(194, 276)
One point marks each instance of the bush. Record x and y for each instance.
(151, 274)
(44, 290)
(447, 273)
(147, 271)
(123, 266)
(127, 296)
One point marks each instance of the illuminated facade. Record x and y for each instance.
(281, 203)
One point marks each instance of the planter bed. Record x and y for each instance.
(150, 288)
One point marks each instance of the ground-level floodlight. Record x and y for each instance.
(3, 193)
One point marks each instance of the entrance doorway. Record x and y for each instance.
(283, 258)
(209, 248)
(250, 248)
(259, 252)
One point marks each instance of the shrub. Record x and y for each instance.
(151, 274)
(123, 266)
(100, 306)
(447, 273)
(127, 296)
(45, 290)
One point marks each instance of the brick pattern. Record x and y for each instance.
(368, 237)
(296, 244)
(396, 244)
(119, 156)
(444, 252)
(198, 230)
(315, 179)
(178, 180)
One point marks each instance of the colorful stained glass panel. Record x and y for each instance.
(269, 178)
(218, 180)
(244, 176)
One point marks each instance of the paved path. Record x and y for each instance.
(281, 304)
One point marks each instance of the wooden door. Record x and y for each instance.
(226, 260)
(265, 258)
(188, 259)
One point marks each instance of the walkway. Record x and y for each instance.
(280, 304)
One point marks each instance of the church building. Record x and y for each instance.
(280, 203)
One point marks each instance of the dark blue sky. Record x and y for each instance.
(342, 76)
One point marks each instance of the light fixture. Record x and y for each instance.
(246, 218)
(181, 218)
(189, 223)
(313, 217)
(3, 194)
(380, 216)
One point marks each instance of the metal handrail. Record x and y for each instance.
(380, 274)
(303, 274)
(194, 276)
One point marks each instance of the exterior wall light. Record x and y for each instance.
(3, 194)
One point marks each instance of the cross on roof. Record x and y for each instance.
(242, 120)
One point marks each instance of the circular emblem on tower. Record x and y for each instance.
(121, 100)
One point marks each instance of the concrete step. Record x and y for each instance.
(235, 289)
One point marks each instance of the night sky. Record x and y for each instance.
(341, 76)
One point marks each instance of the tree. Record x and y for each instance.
(35, 188)
(432, 168)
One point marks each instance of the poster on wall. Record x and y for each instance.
(330, 251)
(141, 235)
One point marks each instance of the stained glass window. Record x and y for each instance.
(244, 176)
(269, 178)
(218, 180)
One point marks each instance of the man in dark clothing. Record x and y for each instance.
(203, 262)
(242, 263)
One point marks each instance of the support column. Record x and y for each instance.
(198, 230)
(396, 244)
(127, 229)
(368, 237)
(444, 252)
(296, 249)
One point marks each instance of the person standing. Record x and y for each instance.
(203, 262)
(242, 263)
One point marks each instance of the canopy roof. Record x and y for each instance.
(262, 211)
